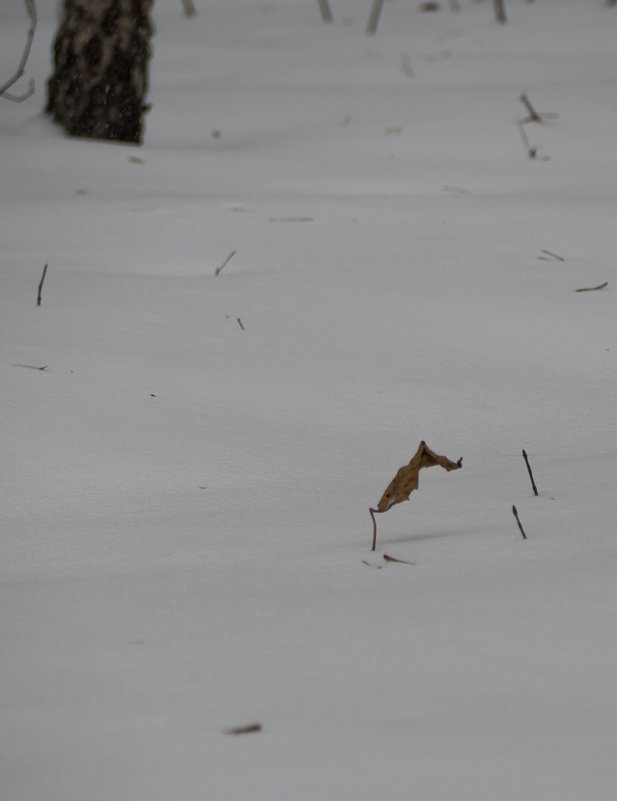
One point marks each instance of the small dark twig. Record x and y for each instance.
(239, 321)
(388, 558)
(189, 8)
(552, 256)
(326, 12)
(373, 511)
(532, 152)
(31, 9)
(592, 288)
(38, 298)
(373, 20)
(515, 513)
(533, 483)
(251, 728)
(533, 114)
(500, 11)
(220, 269)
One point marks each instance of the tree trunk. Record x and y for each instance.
(101, 54)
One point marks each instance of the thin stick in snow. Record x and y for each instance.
(38, 297)
(522, 530)
(533, 114)
(533, 483)
(373, 511)
(250, 728)
(326, 13)
(189, 8)
(373, 20)
(500, 11)
(31, 9)
(553, 256)
(239, 321)
(592, 288)
(532, 152)
(406, 65)
(388, 558)
(220, 269)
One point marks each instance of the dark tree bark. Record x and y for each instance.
(100, 79)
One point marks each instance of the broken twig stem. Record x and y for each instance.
(592, 288)
(500, 11)
(373, 20)
(31, 9)
(38, 297)
(388, 558)
(326, 11)
(533, 483)
(532, 152)
(555, 256)
(220, 269)
(533, 114)
(521, 529)
(251, 728)
(373, 511)
(239, 321)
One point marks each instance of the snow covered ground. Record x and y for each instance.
(185, 537)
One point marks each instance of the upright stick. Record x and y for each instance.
(373, 19)
(326, 13)
(38, 297)
(533, 483)
(372, 511)
(500, 11)
(515, 513)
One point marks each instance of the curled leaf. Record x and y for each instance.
(406, 480)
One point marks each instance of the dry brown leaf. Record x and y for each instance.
(406, 480)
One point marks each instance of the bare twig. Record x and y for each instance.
(500, 11)
(532, 152)
(250, 728)
(31, 367)
(388, 558)
(189, 8)
(31, 9)
(38, 297)
(220, 269)
(326, 12)
(533, 114)
(406, 65)
(521, 529)
(373, 20)
(533, 483)
(239, 321)
(592, 288)
(553, 256)
(373, 511)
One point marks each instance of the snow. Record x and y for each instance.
(185, 540)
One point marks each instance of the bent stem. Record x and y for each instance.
(372, 511)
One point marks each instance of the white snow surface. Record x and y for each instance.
(185, 537)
